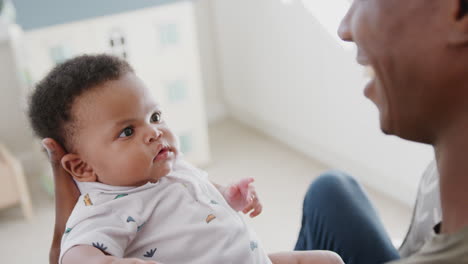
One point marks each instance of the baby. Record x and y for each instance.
(141, 202)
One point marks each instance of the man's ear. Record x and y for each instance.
(459, 33)
(79, 169)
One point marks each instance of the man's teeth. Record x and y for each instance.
(369, 72)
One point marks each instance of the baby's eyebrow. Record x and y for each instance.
(119, 123)
(154, 107)
(124, 121)
(150, 108)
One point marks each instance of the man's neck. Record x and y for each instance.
(452, 161)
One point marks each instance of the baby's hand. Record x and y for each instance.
(241, 196)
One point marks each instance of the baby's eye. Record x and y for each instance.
(156, 117)
(128, 131)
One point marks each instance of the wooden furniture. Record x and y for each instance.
(15, 135)
(13, 188)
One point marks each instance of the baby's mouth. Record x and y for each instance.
(163, 153)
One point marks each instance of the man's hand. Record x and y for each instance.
(241, 196)
(66, 195)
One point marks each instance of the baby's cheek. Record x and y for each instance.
(134, 165)
(125, 169)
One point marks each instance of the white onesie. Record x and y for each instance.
(180, 219)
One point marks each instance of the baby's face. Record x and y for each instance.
(121, 133)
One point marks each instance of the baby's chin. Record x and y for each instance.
(162, 173)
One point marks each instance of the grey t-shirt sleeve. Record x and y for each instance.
(426, 213)
(441, 248)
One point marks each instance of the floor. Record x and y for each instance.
(282, 177)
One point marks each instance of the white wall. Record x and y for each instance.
(282, 73)
(215, 108)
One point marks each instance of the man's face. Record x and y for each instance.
(401, 41)
(120, 133)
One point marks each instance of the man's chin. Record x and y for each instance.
(385, 126)
(404, 132)
(386, 131)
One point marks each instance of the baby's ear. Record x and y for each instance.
(79, 169)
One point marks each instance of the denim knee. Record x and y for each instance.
(331, 186)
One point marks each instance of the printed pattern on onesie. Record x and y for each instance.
(180, 219)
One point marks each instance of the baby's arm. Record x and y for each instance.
(90, 255)
(306, 257)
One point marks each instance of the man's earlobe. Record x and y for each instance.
(79, 169)
(459, 34)
(462, 9)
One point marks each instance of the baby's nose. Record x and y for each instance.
(152, 135)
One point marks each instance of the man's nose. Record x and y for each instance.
(153, 134)
(344, 30)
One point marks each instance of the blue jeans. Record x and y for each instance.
(337, 216)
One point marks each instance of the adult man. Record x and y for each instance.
(419, 51)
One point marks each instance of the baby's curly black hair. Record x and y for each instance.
(51, 102)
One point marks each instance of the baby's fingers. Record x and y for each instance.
(248, 208)
(254, 205)
(257, 210)
(244, 186)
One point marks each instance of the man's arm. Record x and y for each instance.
(66, 195)
(86, 254)
(306, 257)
